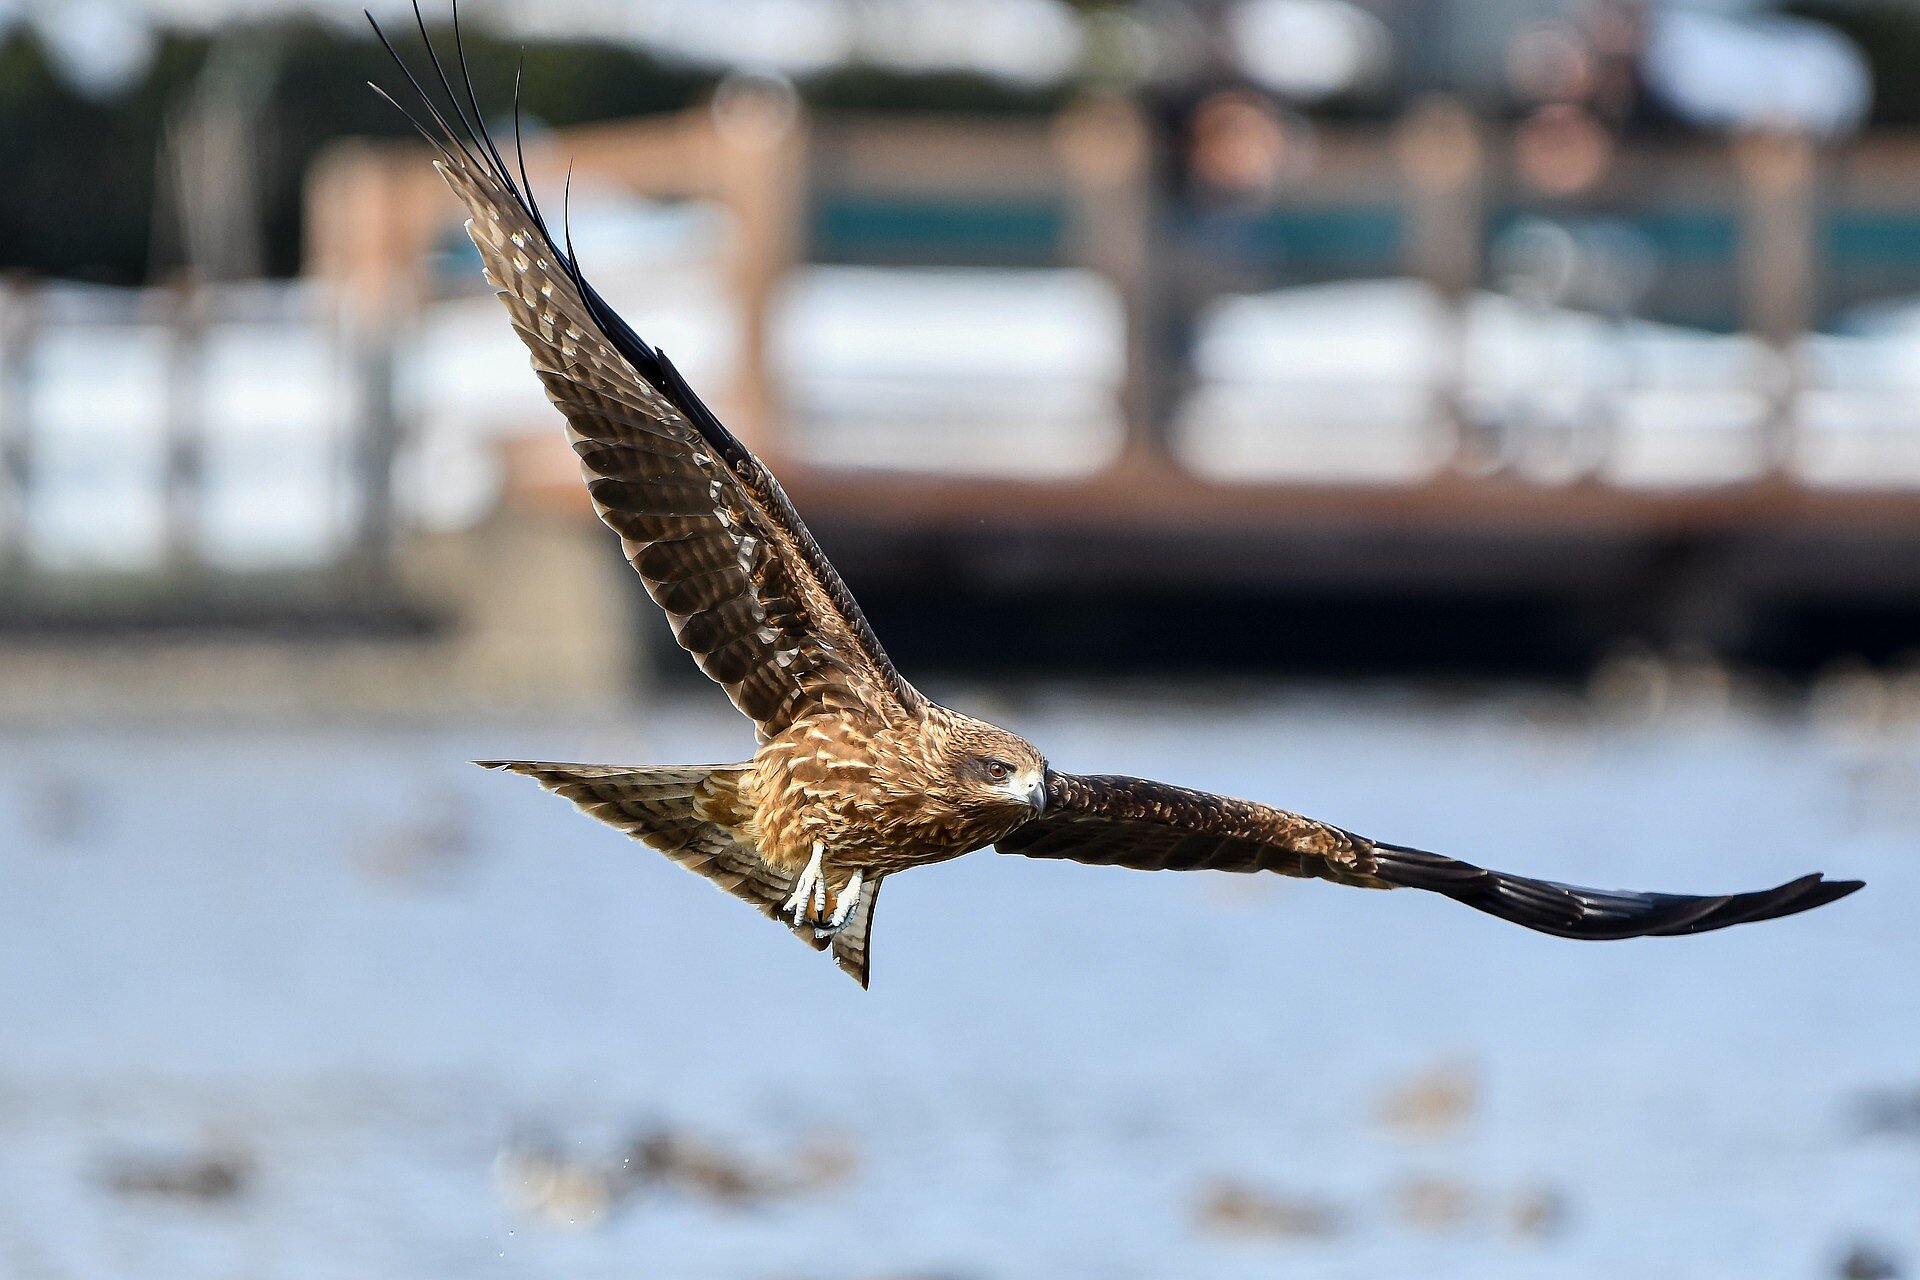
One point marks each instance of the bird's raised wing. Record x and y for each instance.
(706, 525)
(1150, 826)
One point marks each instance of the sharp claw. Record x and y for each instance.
(843, 908)
(809, 897)
(850, 900)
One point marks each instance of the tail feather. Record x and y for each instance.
(688, 812)
(1571, 911)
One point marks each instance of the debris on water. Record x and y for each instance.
(542, 1180)
(1893, 1111)
(206, 1177)
(1539, 1213)
(1231, 1208)
(1436, 1203)
(1868, 1262)
(698, 1168)
(1434, 1104)
(695, 1167)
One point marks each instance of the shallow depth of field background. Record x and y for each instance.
(1494, 427)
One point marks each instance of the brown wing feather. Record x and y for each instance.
(746, 588)
(1151, 826)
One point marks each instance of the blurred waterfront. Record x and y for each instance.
(1349, 347)
(311, 1001)
(1494, 427)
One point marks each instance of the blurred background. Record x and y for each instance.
(1492, 425)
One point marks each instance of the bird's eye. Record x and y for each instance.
(998, 771)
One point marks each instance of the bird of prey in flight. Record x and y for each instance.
(857, 775)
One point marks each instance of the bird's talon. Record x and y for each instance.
(844, 906)
(808, 902)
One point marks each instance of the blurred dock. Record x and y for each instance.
(1408, 408)
(1146, 564)
(1719, 478)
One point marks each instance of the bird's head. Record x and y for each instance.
(991, 773)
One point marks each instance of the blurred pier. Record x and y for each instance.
(1674, 452)
(1408, 404)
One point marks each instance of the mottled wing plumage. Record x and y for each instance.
(673, 808)
(1150, 826)
(706, 526)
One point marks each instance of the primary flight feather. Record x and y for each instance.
(858, 775)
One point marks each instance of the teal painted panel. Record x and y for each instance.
(1368, 236)
(1689, 235)
(1677, 235)
(1859, 236)
(874, 228)
(887, 228)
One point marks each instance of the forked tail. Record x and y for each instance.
(691, 814)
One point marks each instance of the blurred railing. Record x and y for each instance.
(1406, 367)
(1768, 237)
(193, 453)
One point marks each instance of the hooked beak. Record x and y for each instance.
(1037, 796)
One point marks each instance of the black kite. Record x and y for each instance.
(857, 774)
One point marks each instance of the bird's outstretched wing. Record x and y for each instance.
(706, 525)
(1150, 826)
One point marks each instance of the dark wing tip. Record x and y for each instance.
(1791, 898)
(1796, 896)
(1572, 911)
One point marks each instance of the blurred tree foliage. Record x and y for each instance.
(82, 174)
(1888, 32)
(864, 87)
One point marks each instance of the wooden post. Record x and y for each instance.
(760, 170)
(372, 212)
(183, 429)
(375, 448)
(19, 319)
(1443, 162)
(1104, 150)
(1777, 237)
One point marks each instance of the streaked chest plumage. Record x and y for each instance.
(873, 797)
